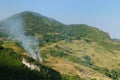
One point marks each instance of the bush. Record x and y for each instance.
(87, 61)
(12, 68)
(113, 74)
(56, 53)
(68, 77)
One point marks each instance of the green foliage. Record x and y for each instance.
(52, 30)
(73, 59)
(109, 45)
(100, 69)
(39, 24)
(68, 77)
(9, 57)
(85, 31)
(57, 53)
(48, 31)
(44, 54)
(113, 74)
(87, 61)
(11, 68)
(1, 42)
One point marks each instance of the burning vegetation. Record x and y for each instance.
(14, 27)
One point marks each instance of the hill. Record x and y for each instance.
(50, 28)
(69, 52)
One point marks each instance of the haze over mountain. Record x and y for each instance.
(69, 52)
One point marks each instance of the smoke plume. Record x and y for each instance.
(14, 27)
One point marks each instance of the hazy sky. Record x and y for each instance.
(104, 14)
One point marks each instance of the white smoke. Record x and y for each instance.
(31, 66)
(14, 27)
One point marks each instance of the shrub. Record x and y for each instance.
(58, 53)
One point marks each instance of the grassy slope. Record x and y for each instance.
(68, 58)
(50, 30)
(74, 61)
(12, 68)
(75, 51)
(11, 60)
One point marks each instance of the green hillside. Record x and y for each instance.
(53, 30)
(70, 52)
(12, 68)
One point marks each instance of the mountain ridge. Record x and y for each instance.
(42, 23)
(36, 23)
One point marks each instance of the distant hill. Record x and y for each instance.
(49, 29)
(38, 24)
